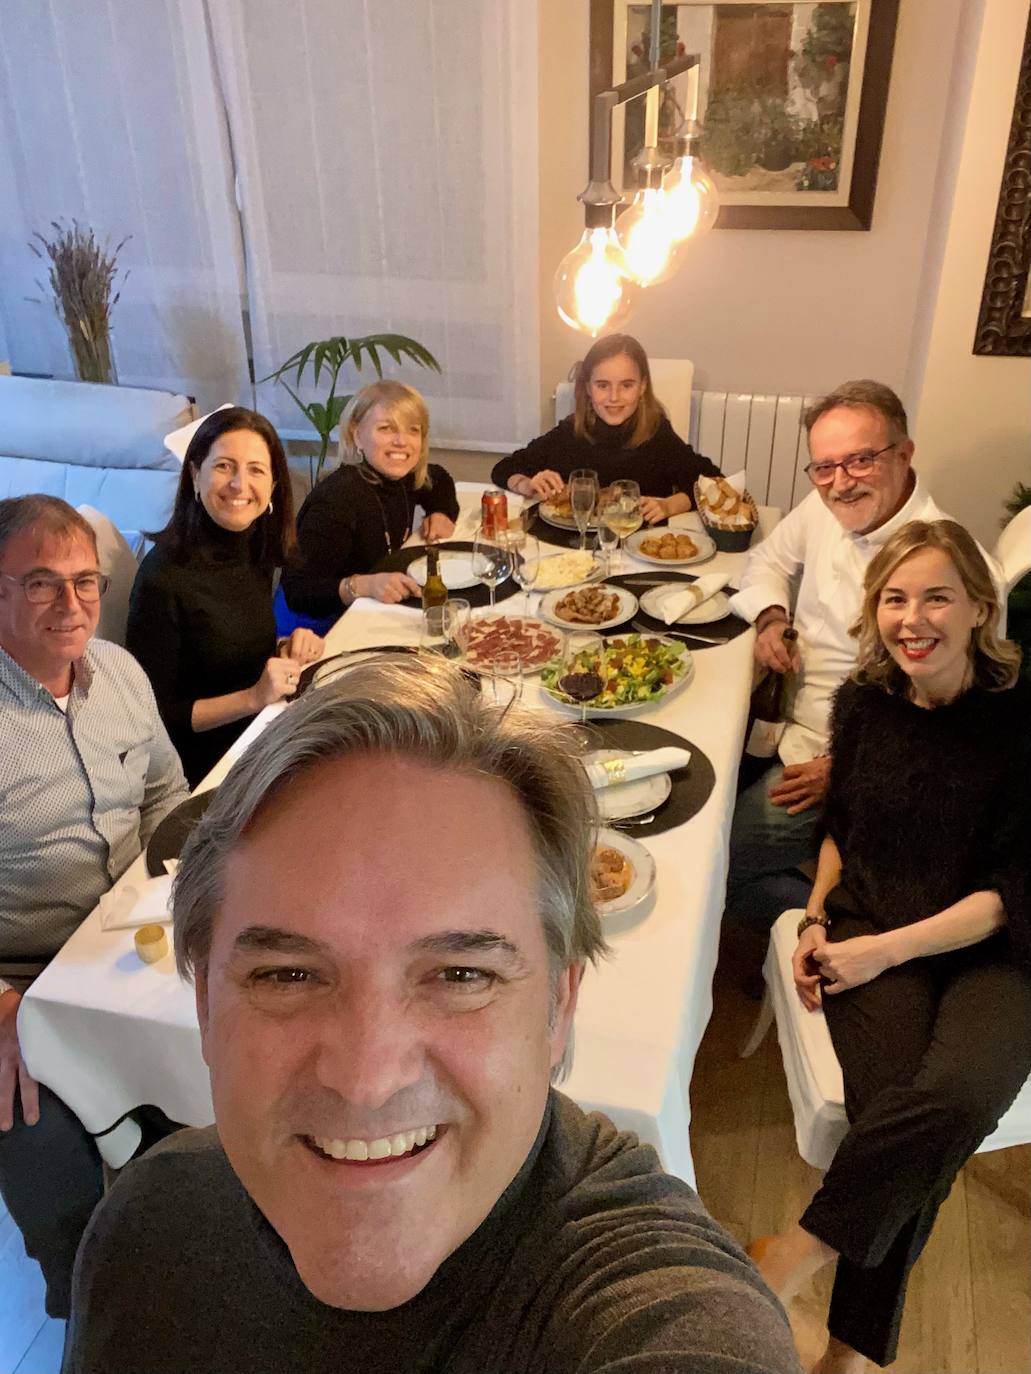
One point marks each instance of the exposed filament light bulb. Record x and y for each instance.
(646, 233)
(692, 201)
(593, 289)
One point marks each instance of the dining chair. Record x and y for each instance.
(811, 1067)
(1013, 549)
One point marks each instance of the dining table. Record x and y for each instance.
(109, 1033)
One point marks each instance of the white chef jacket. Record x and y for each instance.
(809, 550)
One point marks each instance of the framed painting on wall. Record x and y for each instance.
(791, 98)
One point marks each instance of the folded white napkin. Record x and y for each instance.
(136, 904)
(628, 768)
(678, 598)
(737, 481)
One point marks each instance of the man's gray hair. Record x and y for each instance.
(864, 394)
(45, 515)
(426, 710)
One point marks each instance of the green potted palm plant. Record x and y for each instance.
(328, 356)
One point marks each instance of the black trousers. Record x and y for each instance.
(932, 1054)
(51, 1179)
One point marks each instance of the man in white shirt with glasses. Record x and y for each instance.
(86, 773)
(809, 574)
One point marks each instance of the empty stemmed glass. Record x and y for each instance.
(526, 563)
(606, 542)
(622, 512)
(583, 493)
(492, 561)
(506, 667)
(579, 672)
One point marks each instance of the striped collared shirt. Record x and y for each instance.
(81, 791)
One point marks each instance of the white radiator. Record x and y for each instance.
(762, 434)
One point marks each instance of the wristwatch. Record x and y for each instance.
(808, 921)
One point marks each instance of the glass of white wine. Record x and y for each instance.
(622, 513)
(583, 493)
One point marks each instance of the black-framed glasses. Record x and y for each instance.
(42, 589)
(854, 465)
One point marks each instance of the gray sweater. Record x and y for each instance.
(593, 1260)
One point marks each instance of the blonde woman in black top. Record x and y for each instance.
(366, 508)
(917, 936)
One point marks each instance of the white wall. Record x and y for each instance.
(971, 415)
(766, 310)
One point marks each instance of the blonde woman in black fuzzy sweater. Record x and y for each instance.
(917, 937)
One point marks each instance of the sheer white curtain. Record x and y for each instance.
(110, 114)
(386, 153)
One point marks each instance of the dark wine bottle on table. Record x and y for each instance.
(769, 707)
(434, 593)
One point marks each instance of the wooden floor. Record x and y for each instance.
(969, 1308)
(969, 1304)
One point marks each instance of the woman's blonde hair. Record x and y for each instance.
(650, 411)
(995, 662)
(403, 404)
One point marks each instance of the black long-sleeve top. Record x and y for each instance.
(202, 627)
(349, 521)
(662, 465)
(928, 806)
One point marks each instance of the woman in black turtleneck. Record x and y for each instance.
(200, 615)
(619, 429)
(364, 510)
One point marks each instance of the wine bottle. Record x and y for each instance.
(768, 707)
(434, 593)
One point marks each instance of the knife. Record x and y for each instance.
(695, 641)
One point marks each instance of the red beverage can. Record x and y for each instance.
(494, 513)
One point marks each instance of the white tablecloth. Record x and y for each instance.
(108, 1033)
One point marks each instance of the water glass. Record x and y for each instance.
(506, 675)
(445, 628)
(606, 542)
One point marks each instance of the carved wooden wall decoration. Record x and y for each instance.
(1004, 323)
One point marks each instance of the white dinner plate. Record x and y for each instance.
(561, 522)
(643, 882)
(626, 608)
(595, 573)
(706, 548)
(456, 570)
(633, 708)
(626, 799)
(716, 607)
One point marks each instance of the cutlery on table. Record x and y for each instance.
(695, 641)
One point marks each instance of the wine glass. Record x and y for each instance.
(606, 542)
(492, 562)
(583, 493)
(579, 676)
(526, 563)
(622, 512)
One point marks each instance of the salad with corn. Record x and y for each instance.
(634, 668)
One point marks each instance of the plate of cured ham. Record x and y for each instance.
(530, 639)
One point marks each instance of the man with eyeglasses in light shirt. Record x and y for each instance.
(86, 773)
(809, 572)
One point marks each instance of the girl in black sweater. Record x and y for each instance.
(200, 614)
(364, 510)
(917, 937)
(619, 429)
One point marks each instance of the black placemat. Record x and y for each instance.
(401, 560)
(724, 630)
(692, 786)
(172, 833)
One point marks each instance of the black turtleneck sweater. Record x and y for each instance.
(927, 806)
(202, 627)
(662, 465)
(349, 522)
